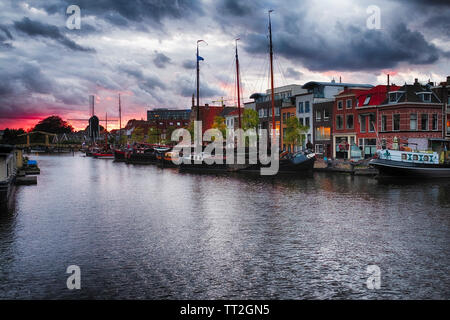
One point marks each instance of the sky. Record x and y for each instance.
(145, 50)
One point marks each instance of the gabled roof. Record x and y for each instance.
(377, 95)
(410, 94)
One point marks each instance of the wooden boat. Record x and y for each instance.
(145, 153)
(119, 155)
(103, 155)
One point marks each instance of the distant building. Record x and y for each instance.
(263, 105)
(287, 111)
(163, 118)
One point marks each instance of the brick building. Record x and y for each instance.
(323, 124)
(410, 116)
(345, 122)
(366, 110)
(443, 92)
(287, 111)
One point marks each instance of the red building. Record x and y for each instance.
(366, 110)
(409, 117)
(207, 115)
(345, 121)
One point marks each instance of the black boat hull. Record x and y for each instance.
(390, 168)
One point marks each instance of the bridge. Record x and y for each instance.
(46, 144)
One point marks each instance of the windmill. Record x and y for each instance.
(94, 121)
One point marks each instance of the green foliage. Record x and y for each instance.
(138, 135)
(11, 136)
(219, 123)
(53, 124)
(295, 132)
(153, 135)
(250, 119)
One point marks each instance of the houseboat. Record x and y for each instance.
(412, 164)
(7, 173)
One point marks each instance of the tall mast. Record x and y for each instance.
(120, 121)
(198, 84)
(238, 87)
(271, 77)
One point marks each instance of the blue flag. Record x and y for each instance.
(199, 58)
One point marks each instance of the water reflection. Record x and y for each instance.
(146, 232)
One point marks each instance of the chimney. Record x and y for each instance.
(388, 87)
(416, 81)
(340, 79)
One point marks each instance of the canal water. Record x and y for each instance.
(141, 232)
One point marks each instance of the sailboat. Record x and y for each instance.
(298, 162)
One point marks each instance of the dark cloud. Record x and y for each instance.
(185, 88)
(236, 7)
(39, 29)
(356, 48)
(189, 64)
(161, 60)
(292, 73)
(147, 83)
(119, 12)
(5, 37)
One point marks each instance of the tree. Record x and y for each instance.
(219, 123)
(11, 136)
(169, 132)
(295, 132)
(53, 124)
(138, 134)
(250, 119)
(153, 135)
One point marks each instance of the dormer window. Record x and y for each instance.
(395, 96)
(366, 102)
(424, 96)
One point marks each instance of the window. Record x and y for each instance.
(363, 124)
(349, 121)
(277, 111)
(396, 122)
(426, 97)
(318, 115)
(367, 100)
(393, 97)
(318, 148)
(383, 123)
(307, 122)
(178, 123)
(326, 114)
(300, 107)
(284, 133)
(371, 122)
(339, 105)
(300, 120)
(424, 121)
(284, 117)
(339, 122)
(413, 121)
(322, 133)
(435, 121)
(349, 103)
(261, 113)
(306, 106)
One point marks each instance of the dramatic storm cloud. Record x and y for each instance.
(145, 50)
